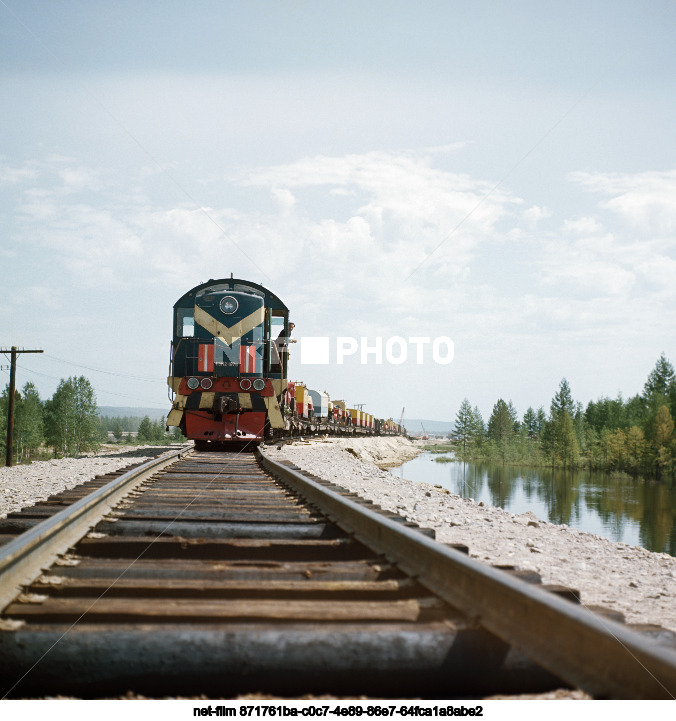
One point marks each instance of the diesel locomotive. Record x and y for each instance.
(228, 364)
(228, 372)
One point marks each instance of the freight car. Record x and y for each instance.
(228, 372)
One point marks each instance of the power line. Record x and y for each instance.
(107, 372)
(97, 390)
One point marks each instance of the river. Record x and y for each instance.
(635, 512)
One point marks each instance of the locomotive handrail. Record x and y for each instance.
(598, 655)
(22, 559)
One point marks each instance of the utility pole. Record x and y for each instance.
(12, 389)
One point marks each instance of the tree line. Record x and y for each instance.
(634, 436)
(143, 430)
(68, 423)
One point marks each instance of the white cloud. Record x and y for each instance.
(336, 238)
(411, 208)
(659, 272)
(16, 176)
(76, 179)
(284, 198)
(646, 200)
(403, 183)
(533, 215)
(621, 252)
(583, 226)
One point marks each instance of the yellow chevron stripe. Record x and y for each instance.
(207, 401)
(274, 414)
(244, 400)
(278, 386)
(174, 417)
(222, 332)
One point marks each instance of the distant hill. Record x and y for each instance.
(416, 426)
(128, 412)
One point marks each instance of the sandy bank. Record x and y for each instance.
(384, 452)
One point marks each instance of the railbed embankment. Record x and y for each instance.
(26, 484)
(628, 579)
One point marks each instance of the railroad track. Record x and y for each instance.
(229, 573)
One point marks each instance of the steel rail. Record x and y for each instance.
(600, 656)
(22, 559)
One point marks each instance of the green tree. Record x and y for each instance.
(592, 444)
(464, 424)
(615, 449)
(530, 423)
(71, 419)
(634, 412)
(659, 390)
(501, 426)
(664, 433)
(159, 433)
(478, 426)
(541, 420)
(660, 381)
(145, 431)
(565, 440)
(501, 422)
(563, 400)
(636, 447)
(578, 425)
(118, 431)
(60, 418)
(561, 441)
(87, 427)
(28, 423)
(4, 398)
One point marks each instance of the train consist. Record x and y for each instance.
(228, 372)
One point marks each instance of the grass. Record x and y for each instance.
(440, 448)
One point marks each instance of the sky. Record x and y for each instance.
(500, 174)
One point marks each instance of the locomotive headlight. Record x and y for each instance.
(193, 383)
(228, 305)
(206, 383)
(259, 384)
(245, 384)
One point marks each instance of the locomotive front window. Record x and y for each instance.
(185, 322)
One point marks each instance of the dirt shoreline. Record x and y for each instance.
(383, 452)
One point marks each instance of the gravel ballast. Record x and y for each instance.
(25, 485)
(629, 579)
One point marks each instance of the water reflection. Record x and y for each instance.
(618, 508)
